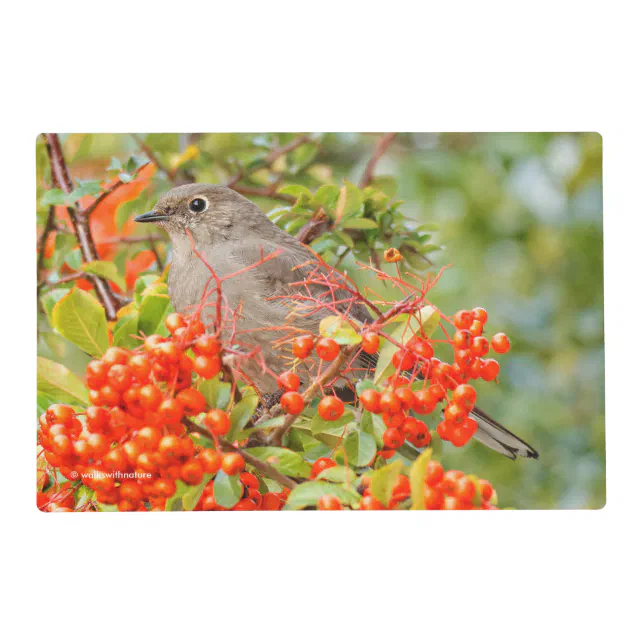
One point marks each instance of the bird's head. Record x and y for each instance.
(208, 211)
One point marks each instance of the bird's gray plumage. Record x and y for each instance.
(231, 234)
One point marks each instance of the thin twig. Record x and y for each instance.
(329, 375)
(80, 223)
(380, 148)
(263, 468)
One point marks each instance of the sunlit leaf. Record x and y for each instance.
(80, 318)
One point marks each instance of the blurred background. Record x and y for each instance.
(517, 216)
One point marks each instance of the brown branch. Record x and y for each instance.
(42, 242)
(329, 375)
(312, 229)
(80, 223)
(115, 186)
(379, 149)
(150, 154)
(263, 468)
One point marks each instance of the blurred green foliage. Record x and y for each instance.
(517, 216)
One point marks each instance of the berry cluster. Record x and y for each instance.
(133, 446)
(453, 490)
(251, 499)
(442, 381)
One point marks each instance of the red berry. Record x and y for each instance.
(329, 502)
(96, 374)
(403, 360)
(292, 403)
(406, 397)
(192, 472)
(489, 369)
(464, 490)
(370, 400)
(390, 402)
(392, 438)
(370, 342)
(330, 408)
(171, 411)
(218, 422)
(476, 328)
(328, 349)
(463, 319)
(480, 346)
(116, 355)
(232, 463)
(434, 474)
(207, 366)
(320, 465)
(210, 459)
(421, 348)
(150, 397)
(289, 381)
(423, 402)
(62, 414)
(455, 414)
(206, 345)
(303, 346)
(370, 503)
(464, 396)
(462, 339)
(433, 498)
(480, 314)
(501, 343)
(193, 401)
(174, 321)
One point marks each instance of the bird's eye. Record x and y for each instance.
(198, 205)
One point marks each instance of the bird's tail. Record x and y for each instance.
(500, 439)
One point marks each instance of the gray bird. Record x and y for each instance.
(232, 233)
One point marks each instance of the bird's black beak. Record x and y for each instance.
(151, 216)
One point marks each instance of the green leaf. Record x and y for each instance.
(365, 385)
(55, 197)
(373, 424)
(361, 448)
(80, 318)
(105, 269)
(353, 203)
(175, 502)
(318, 424)
(50, 299)
(409, 326)
(241, 414)
(153, 311)
(383, 481)
(326, 197)
(336, 327)
(359, 224)
(283, 460)
(228, 489)
(295, 191)
(124, 330)
(60, 384)
(337, 474)
(216, 392)
(417, 479)
(190, 499)
(269, 423)
(307, 494)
